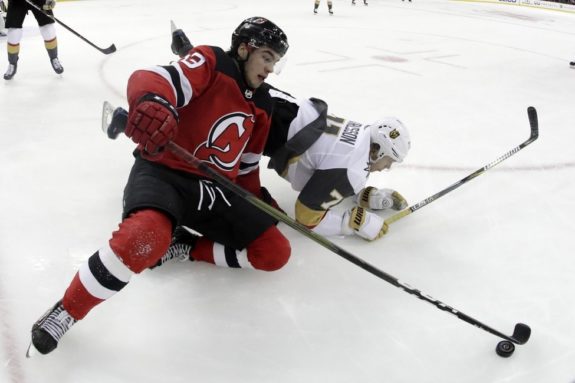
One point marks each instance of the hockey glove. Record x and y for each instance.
(364, 223)
(378, 199)
(152, 123)
(49, 5)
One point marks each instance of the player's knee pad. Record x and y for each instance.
(142, 239)
(270, 251)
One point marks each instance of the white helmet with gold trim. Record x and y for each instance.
(392, 137)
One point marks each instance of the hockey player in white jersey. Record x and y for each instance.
(328, 159)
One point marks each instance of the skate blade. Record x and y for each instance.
(32, 351)
(107, 111)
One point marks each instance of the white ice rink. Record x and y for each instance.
(500, 248)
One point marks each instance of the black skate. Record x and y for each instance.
(48, 330)
(10, 72)
(181, 44)
(58, 68)
(114, 120)
(183, 242)
(572, 64)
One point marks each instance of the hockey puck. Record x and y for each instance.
(505, 349)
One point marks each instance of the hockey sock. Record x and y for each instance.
(13, 53)
(269, 252)
(52, 48)
(13, 46)
(139, 243)
(97, 280)
(48, 32)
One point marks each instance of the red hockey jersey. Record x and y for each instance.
(222, 121)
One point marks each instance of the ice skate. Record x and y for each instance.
(181, 44)
(58, 68)
(183, 242)
(572, 64)
(48, 330)
(10, 72)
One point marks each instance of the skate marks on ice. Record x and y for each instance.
(9, 351)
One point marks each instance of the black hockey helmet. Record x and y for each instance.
(258, 32)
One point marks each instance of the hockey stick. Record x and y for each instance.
(531, 113)
(520, 335)
(106, 51)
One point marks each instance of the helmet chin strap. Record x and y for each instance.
(242, 63)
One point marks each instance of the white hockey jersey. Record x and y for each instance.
(332, 165)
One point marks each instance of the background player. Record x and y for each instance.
(329, 6)
(16, 13)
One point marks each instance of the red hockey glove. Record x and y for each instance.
(152, 123)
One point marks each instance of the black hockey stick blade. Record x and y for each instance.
(521, 333)
(107, 51)
(533, 122)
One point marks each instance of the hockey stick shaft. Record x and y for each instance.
(532, 114)
(106, 51)
(520, 334)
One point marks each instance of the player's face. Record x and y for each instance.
(261, 62)
(384, 163)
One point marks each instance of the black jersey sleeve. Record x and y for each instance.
(284, 111)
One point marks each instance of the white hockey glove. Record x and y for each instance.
(378, 199)
(364, 223)
(49, 5)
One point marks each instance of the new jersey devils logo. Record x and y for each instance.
(226, 140)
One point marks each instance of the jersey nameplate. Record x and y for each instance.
(350, 133)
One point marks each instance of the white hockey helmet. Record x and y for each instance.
(392, 137)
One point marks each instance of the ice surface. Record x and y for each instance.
(500, 248)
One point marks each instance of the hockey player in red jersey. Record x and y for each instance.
(216, 105)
